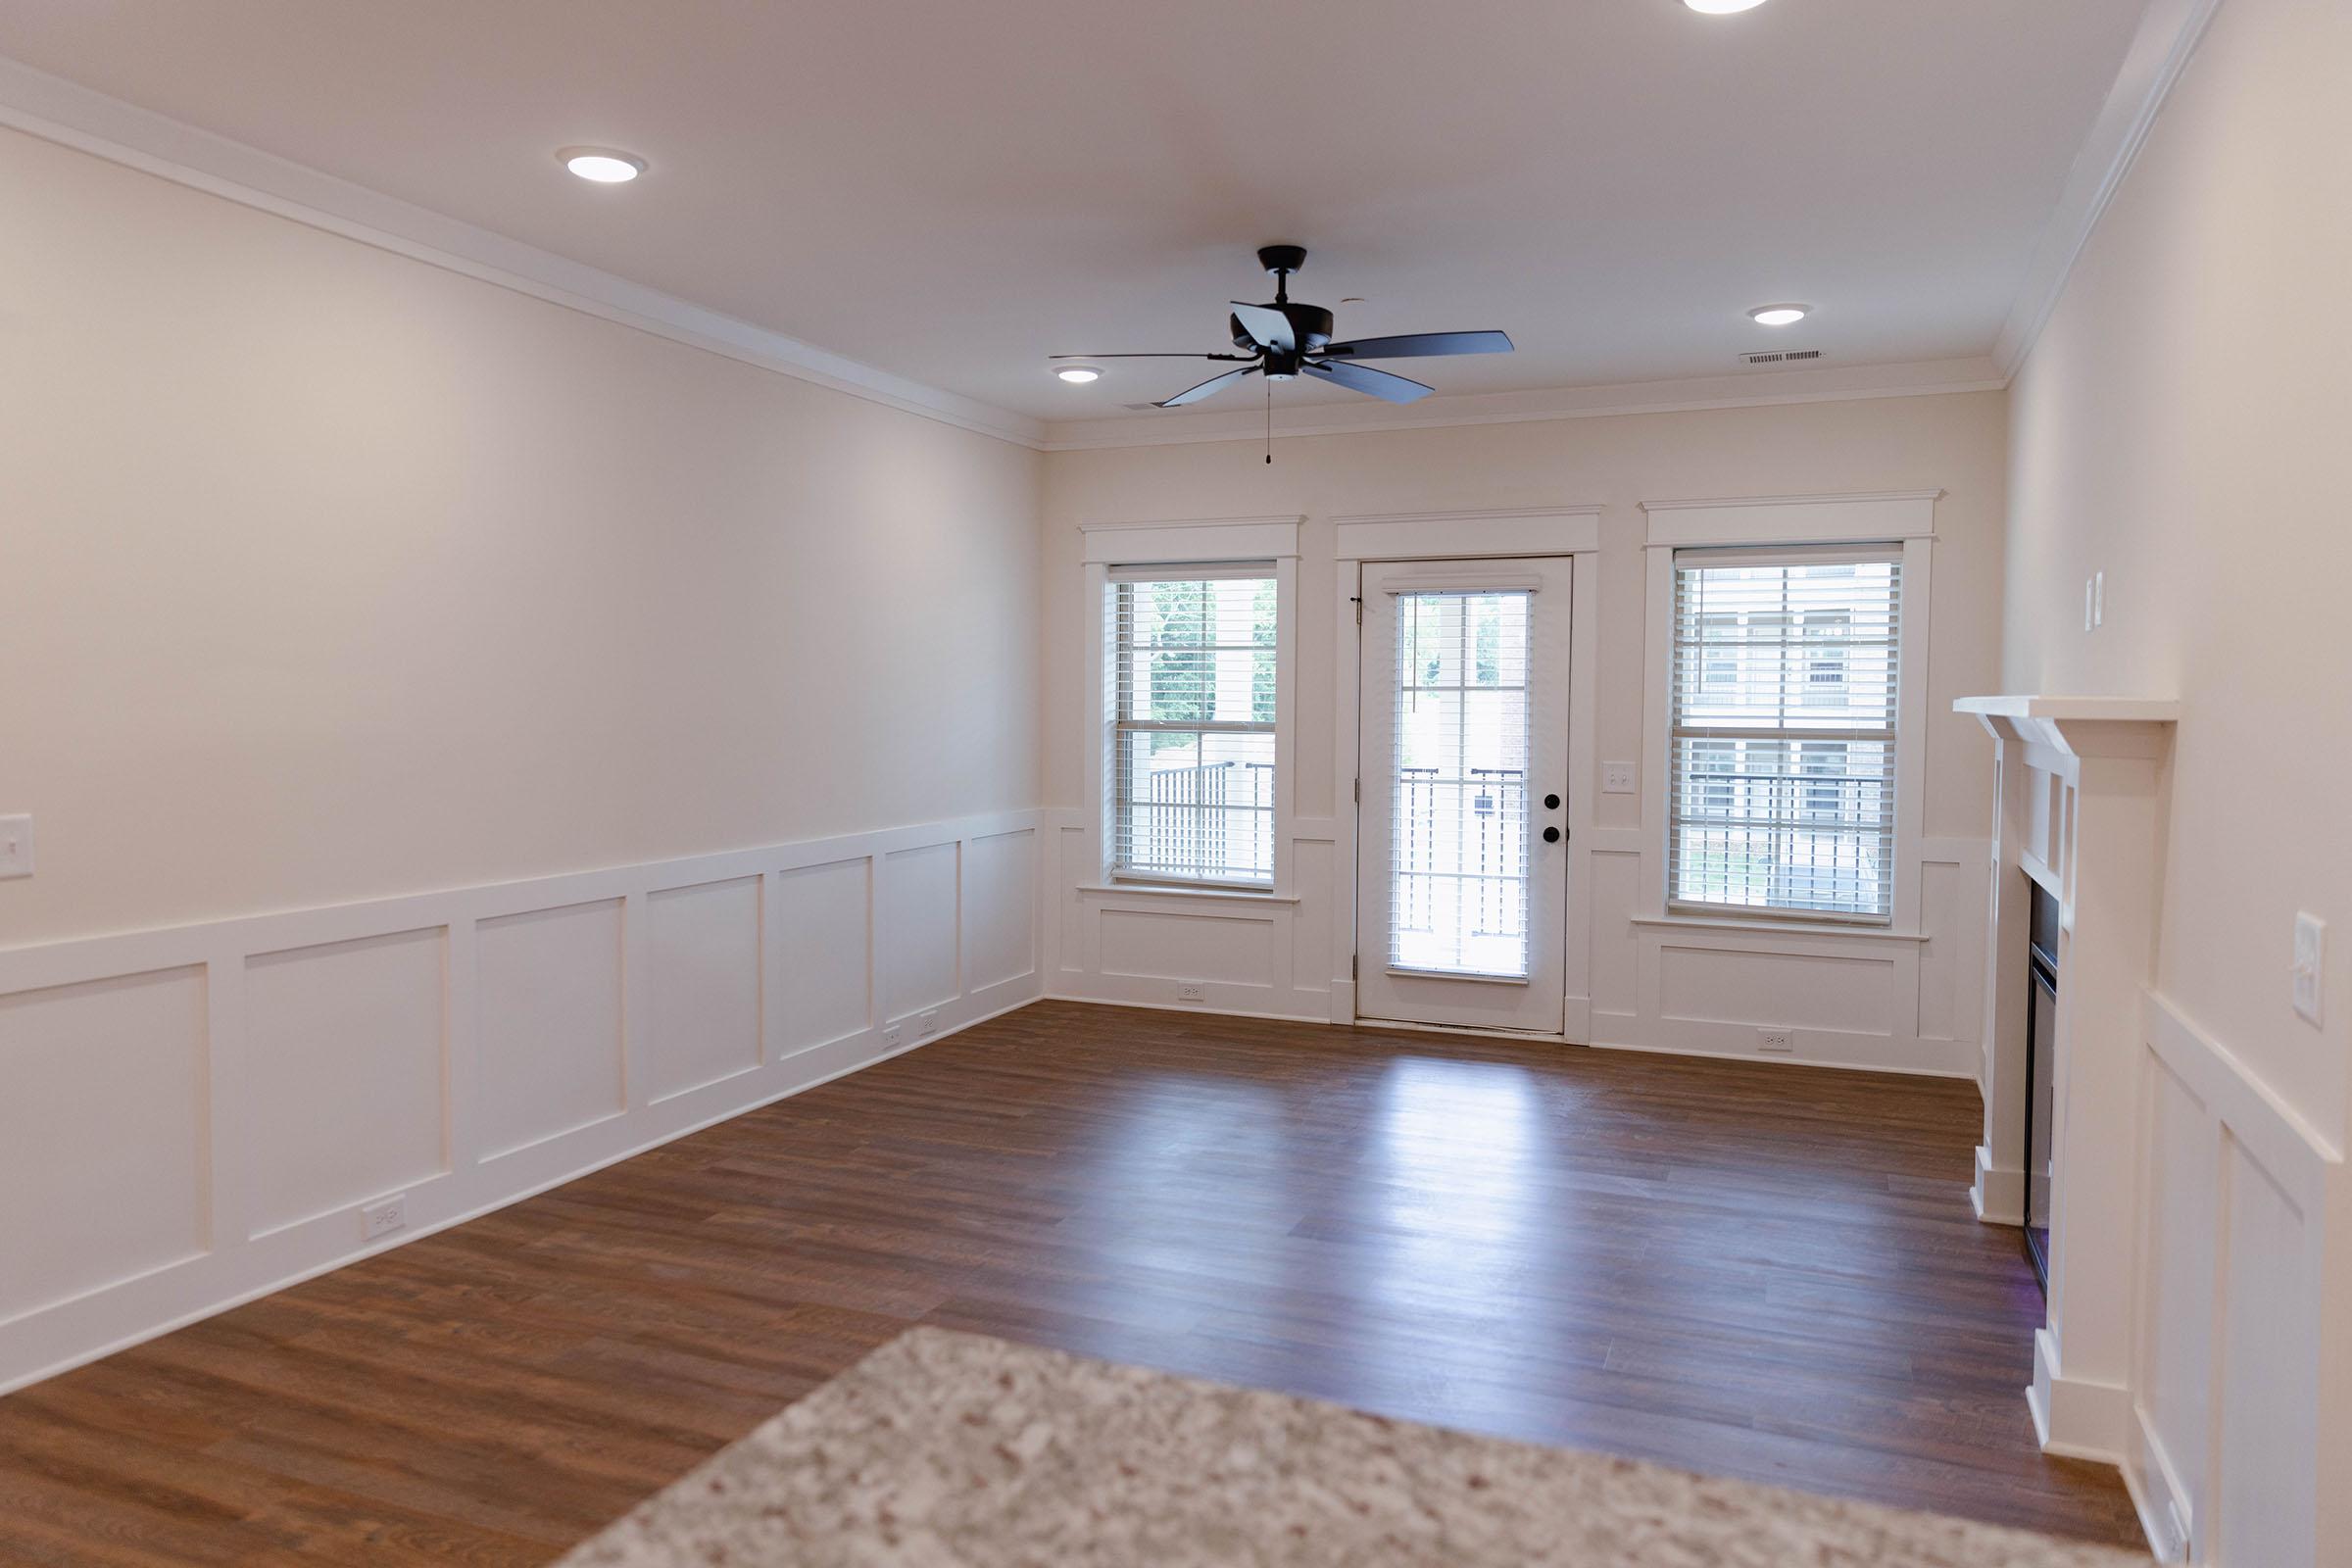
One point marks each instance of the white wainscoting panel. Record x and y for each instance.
(1234, 948)
(1826, 992)
(825, 932)
(1901, 1003)
(550, 1040)
(194, 1116)
(1262, 955)
(103, 1116)
(704, 986)
(919, 890)
(346, 1063)
(2264, 1509)
(999, 898)
(2232, 1360)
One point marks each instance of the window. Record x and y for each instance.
(1191, 671)
(1459, 837)
(1783, 731)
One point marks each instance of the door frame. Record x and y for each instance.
(1573, 532)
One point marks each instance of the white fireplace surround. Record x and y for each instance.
(2189, 1279)
(2078, 810)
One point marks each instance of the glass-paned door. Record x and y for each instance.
(1461, 824)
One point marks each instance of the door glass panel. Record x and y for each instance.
(1458, 875)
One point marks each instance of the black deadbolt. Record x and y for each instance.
(1551, 803)
(1551, 835)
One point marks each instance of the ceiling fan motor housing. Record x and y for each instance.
(1310, 326)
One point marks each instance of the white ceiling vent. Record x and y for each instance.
(1781, 357)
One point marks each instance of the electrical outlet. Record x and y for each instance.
(382, 1219)
(927, 1022)
(893, 1034)
(1776, 1040)
(15, 846)
(2088, 607)
(1617, 778)
(2311, 948)
(1187, 992)
(2098, 599)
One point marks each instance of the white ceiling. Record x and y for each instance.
(952, 192)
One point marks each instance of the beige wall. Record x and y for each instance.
(1924, 1018)
(329, 574)
(1951, 442)
(2182, 426)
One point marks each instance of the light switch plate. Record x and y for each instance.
(15, 846)
(1617, 778)
(2311, 953)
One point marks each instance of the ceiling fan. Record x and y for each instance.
(1286, 340)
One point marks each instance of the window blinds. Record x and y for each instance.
(1784, 698)
(1190, 770)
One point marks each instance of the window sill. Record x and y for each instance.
(1767, 926)
(1167, 889)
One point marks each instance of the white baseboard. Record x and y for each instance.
(1841, 1061)
(2158, 1495)
(1997, 1196)
(2072, 1417)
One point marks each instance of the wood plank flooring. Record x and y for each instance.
(1754, 1270)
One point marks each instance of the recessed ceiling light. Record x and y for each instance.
(1720, 8)
(1078, 375)
(1779, 314)
(601, 165)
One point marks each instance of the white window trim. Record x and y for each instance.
(1193, 542)
(1906, 519)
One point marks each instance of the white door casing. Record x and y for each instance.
(1463, 766)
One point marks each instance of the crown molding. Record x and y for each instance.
(2170, 32)
(73, 116)
(1837, 384)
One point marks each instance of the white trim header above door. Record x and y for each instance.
(1163, 541)
(1877, 517)
(1464, 535)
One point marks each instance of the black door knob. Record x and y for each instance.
(1551, 803)
(1551, 835)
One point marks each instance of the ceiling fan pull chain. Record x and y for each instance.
(1269, 425)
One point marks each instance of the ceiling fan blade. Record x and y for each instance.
(1267, 326)
(1377, 384)
(1212, 386)
(1421, 345)
(1167, 356)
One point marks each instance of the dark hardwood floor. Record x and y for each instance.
(1754, 1270)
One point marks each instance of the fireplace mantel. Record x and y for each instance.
(2079, 809)
(2077, 726)
(2078, 709)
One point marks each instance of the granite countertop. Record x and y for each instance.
(948, 1449)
